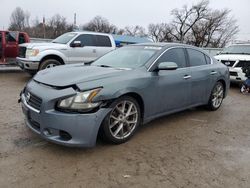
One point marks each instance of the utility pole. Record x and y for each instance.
(75, 19)
(75, 27)
(44, 35)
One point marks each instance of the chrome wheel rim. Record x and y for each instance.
(217, 96)
(123, 119)
(50, 66)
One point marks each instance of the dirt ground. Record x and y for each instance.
(195, 148)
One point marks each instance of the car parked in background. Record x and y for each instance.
(72, 47)
(235, 57)
(9, 45)
(71, 104)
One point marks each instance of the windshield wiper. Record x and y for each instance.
(106, 66)
(245, 53)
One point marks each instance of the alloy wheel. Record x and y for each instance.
(123, 119)
(217, 95)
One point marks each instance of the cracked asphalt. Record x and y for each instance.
(194, 148)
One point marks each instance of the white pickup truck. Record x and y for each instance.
(72, 47)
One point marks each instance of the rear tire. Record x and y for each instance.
(123, 120)
(49, 63)
(216, 97)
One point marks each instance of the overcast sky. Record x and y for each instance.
(121, 12)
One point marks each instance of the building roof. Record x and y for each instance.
(130, 39)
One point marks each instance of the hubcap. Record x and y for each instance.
(50, 65)
(217, 96)
(123, 119)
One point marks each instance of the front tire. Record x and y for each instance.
(123, 120)
(216, 97)
(49, 63)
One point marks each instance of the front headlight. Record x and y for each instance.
(32, 52)
(82, 101)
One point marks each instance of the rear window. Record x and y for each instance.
(196, 58)
(103, 41)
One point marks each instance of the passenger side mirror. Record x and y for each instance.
(76, 44)
(167, 66)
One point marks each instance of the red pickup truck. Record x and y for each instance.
(9, 45)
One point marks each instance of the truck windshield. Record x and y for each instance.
(127, 57)
(237, 49)
(65, 38)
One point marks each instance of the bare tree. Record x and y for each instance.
(100, 24)
(19, 20)
(160, 32)
(216, 30)
(137, 31)
(185, 18)
(57, 25)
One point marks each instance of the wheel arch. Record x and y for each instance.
(138, 98)
(224, 86)
(53, 56)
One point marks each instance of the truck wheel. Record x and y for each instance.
(49, 63)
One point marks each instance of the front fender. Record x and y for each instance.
(45, 53)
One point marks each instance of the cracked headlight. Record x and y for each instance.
(82, 101)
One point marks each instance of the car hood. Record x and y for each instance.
(45, 45)
(68, 75)
(233, 57)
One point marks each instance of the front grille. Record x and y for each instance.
(33, 100)
(233, 73)
(243, 64)
(228, 63)
(22, 52)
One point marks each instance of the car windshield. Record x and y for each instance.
(127, 57)
(65, 38)
(237, 49)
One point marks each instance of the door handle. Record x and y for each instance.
(213, 73)
(187, 77)
(94, 50)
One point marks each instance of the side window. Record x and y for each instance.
(86, 40)
(196, 58)
(11, 37)
(176, 55)
(21, 38)
(208, 59)
(103, 41)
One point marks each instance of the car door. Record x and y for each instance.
(201, 75)
(11, 45)
(103, 45)
(1, 47)
(86, 53)
(173, 86)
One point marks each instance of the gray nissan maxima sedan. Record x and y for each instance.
(125, 88)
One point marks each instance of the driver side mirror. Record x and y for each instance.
(76, 44)
(167, 66)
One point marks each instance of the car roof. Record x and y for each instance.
(90, 32)
(165, 45)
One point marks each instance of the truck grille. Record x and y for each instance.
(33, 100)
(22, 52)
(228, 63)
(243, 64)
(233, 73)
